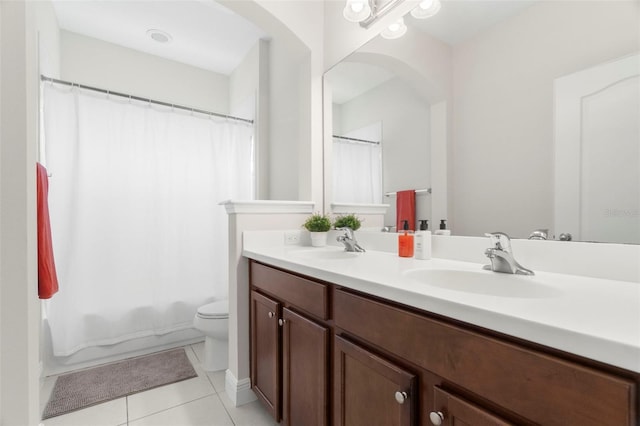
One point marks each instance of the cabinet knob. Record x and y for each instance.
(282, 321)
(436, 418)
(401, 397)
(271, 314)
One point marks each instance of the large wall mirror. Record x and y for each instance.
(518, 115)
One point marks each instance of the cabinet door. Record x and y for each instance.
(265, 352)
(452, 410)
(369, 390)
(305, 347)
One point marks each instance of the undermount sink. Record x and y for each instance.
(483, 283)
(324, 253)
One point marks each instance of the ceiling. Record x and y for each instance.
(210, 36)
(204, 33)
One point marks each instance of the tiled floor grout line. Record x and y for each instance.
(170, 408)
(195, 354)
(225, 409)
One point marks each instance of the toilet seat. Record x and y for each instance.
(216, 310)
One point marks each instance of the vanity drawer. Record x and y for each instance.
(532, 384)
(305, 294)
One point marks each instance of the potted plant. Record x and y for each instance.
(348, 221)
(318, 225)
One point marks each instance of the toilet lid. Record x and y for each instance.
(217, 309)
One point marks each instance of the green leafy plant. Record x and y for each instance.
(318, 223)
(348, 221)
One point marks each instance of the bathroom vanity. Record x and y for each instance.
(336, 340)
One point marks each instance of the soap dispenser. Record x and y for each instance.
(423, 241)
(443, 228)
(405, 241)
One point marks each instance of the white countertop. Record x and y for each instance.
(594, 318)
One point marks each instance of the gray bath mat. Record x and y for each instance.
(82, 389)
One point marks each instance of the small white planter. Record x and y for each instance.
(318, 239)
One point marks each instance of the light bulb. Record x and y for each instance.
(357, 6)
(356, 10)
(426, 9)
(395, 30)
(426, 4)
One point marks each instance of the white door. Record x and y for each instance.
(597, 138)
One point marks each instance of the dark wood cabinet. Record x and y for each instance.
(345, 358)
(289, 349)
(304, 363)
(521, 382)
(451, 410)
(266, 352)
(370, 390)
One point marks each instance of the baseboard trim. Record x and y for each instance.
(238, 391)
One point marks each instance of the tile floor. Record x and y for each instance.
(194, 402)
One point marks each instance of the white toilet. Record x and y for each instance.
(213, 320)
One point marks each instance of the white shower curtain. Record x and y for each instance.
(357, 172)
(140, 239)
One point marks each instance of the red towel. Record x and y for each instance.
(47, 279)
(406, 209)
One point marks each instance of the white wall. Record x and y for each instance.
(295, 113)
(105, 65)
(48, 39)
(249, 98)
(19, 306)
(295, 101)
(244, 83)
(503, 108)
(30, 45)
(284, 116)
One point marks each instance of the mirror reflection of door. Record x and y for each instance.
(598, 152)
(357, 162)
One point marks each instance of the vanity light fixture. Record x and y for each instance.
(426, 9)
(159, 36)
(366, 12)
(395, 30)
(356, 10)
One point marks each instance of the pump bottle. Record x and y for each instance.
(423, 241)
(443, 228)
(405, 241)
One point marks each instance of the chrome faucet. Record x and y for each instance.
(539, 234)
(501, 256)
(349, 240)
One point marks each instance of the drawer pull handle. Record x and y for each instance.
(436, 418)
(282, 321)
(401, 397)
(271, 314)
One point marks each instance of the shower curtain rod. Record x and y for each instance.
(356, 140)
(137, 98)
